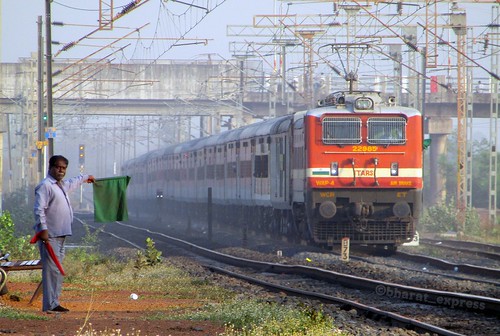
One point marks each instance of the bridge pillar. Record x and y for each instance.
(438, 130)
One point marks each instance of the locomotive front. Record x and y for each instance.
(363, 170)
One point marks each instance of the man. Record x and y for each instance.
(53, 219)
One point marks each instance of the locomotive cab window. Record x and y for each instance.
(341, 131)
(387, 131)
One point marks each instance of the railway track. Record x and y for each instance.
(463, 244)
(463, 307)
(451, 266)
(434, 266)
(484, 250)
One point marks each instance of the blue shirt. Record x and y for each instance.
(53, 211)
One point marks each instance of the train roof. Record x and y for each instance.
(266, 127)
(261, 128)
(407, 111)
(140, 159)
(352, 102)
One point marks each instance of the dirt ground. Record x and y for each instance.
(104, 313)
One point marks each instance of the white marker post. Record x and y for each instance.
(344, 253)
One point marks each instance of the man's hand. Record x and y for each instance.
(90, 179)
(44, 235)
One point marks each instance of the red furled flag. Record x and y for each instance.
(50, 251)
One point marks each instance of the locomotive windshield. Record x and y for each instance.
(387, 131)
(341, 131)
(347, 130)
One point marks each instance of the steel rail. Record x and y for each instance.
(371, 312)
(453, 300)
(443, 264)
(462, 244)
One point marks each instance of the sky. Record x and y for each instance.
(19, 27)
(160, 18)
(164, 19)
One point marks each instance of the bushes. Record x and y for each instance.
(443, 218)
(149, 257)
(16, 226)
(20, 207)
(19, 247)
(257, 318)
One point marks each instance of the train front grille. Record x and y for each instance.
(370, 233)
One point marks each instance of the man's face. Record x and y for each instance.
(58, 171)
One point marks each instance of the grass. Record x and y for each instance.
(261, 318)
(15, 314)
(240, 315)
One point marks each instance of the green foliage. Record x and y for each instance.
(149, 257)
(241, 316)
(13, 314)
(91, 238)
(20, 206)
(19, 247)
(472, 223)
(480, 177)
(250, 317)
(480, 168)
(162, 280)
(444, 218)
(16, 227)
(87, 254)
(7, 231)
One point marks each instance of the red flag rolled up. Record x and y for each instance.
(50, 251)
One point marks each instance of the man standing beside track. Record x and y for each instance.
(53, 220)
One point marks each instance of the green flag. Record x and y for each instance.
(110, 199)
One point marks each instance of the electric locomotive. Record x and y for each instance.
(351, 167)
(363, 170)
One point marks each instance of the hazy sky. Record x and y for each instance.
(19, 28)
(163, 19)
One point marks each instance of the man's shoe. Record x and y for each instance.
(58, 309)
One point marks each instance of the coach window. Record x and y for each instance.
(261, 166)
(341, 131)
(387, 131)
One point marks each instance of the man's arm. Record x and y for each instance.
(75, 182)
(42, 195)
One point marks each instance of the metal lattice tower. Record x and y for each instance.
(470, 118)
(458, 23)
(495, 98)
(431, 44)
(106, 14)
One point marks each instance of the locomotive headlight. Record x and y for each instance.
(327, 209)
(334, 169)
(363, 104)
(401, 209)
(394, 169)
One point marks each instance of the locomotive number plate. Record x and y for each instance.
(364, 148)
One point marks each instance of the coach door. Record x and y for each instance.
(279, 181)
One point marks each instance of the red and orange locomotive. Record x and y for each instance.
(352, 167)
(363, 170)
